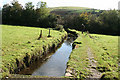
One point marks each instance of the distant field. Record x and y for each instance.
(19, 41)
(104, 51)
(72, 10)
(69, 8)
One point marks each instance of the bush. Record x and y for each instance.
(59, 28)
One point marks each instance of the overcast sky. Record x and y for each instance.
(97, 4)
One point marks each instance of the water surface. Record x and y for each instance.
(55, 65)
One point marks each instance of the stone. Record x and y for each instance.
(68, 74)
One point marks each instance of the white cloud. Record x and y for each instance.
(0, 3)
(98, 4)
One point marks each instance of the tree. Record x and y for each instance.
(29, 6)
(15, 14)
(30, 19)
(52, 18)
(0, 16)
(110, 21)
(42, 14)
(75, 21)
(16, 10)
(6, 14)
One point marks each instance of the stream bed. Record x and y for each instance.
(55, 64)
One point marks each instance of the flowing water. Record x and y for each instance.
(55, 65)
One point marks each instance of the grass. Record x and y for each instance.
(105, 51)
(20, 41)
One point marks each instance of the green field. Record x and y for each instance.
(71, 10)
(94, 52)
(20, 41)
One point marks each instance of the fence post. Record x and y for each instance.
(49, 34)
(40, 35)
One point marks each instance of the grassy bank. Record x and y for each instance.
(101, 50)
(20, 46)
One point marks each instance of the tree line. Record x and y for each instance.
(15, 14)
(105, 22)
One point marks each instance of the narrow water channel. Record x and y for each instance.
(55, 65)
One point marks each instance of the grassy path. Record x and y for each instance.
(92, 67)
(94, 73)
(94, 56)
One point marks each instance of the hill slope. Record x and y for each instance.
(72, 10)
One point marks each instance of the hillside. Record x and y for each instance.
(72, 10)
(69, 8)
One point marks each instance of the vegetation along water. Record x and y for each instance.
(59, 42)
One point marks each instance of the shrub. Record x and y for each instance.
(59, 28)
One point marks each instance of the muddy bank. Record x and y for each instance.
(46, 50)
(53, 66)
(75, 34)
(28, 58)
(72, 33)
(55, 63)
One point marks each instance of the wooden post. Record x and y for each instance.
(49, 34)
(40, 35)
(49, 31)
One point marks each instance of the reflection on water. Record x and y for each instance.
(53, 66)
